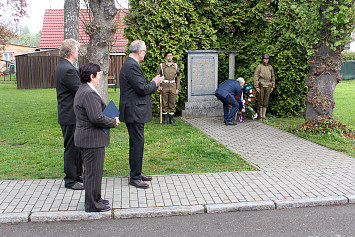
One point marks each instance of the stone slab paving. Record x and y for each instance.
(293, 172)
(269, 148)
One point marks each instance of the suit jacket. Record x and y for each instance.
(88, 107)
(231, 87)
(135, 93)
(67, 82)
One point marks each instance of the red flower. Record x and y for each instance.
(251, 99)
(253, 92)
(246, 103)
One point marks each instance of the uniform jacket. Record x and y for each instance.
(88, 107)
(264, 76)
(135, 93)
(231, 87)
(67, 82)
(170, 72)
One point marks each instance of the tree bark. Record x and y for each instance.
(322, 79)
(101, 31)
(71, 19)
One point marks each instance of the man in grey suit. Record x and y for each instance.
(67, 82)
(136, 108)
(90, 137)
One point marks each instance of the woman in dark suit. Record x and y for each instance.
(90, 137)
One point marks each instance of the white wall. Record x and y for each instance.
(352, 47)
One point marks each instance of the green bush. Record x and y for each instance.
(251, 27)
(347, 56)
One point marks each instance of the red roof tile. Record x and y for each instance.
(53, 30)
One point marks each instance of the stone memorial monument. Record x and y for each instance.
(202, 81)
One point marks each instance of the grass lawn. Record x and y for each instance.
(345, 103)
(31, 143)
(344, 111)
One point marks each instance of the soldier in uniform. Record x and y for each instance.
(169, 87)
(264, 82)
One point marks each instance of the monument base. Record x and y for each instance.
(202, 106)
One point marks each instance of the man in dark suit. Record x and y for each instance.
(90, 137)
(67, 82)
(136, 108)
(226, 92)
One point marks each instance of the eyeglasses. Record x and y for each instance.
(144, 50)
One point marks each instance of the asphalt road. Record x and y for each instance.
(335, 221)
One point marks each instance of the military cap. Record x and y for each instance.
(265, 56)
(168, 53)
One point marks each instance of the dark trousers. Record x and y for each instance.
(93, 170)
(229, 100)
(136, 148)
(73, 165)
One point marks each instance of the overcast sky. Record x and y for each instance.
(36, 9)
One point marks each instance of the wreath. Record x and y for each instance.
(249, 103)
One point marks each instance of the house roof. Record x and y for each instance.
(53, 30)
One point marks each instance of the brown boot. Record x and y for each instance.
(265, 114)
(261, 113)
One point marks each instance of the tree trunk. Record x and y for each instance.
(71, 19)
(322, 79)
(101, 31)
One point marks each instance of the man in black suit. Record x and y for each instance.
(90, 137)
(136, 108)
(67, 82)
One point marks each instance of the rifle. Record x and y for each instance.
(161, 109)
(258, 109)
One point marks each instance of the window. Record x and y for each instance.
(8, 56)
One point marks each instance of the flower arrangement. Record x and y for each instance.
(249, 103)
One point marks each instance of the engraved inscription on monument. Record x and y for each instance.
(203, 74)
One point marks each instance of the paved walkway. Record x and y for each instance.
(292, 172)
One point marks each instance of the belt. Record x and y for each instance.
(167, 81)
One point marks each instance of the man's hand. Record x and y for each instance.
(258, 90)
(117, 121)
(243, 110)
(158, 79)
(177, 91)
(272, 89)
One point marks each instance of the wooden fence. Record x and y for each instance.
(38, 71)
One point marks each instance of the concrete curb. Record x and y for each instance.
(158, 211)
(351, 199)
(240, 206)
(14, 217)
(311, 202)
(69, 216)
(11, 218)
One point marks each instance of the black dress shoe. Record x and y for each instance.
(138, 183)
(231, 123)
(76, 186)
(105, 202)
(80, 179)
(106, 208)
(146, 177)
